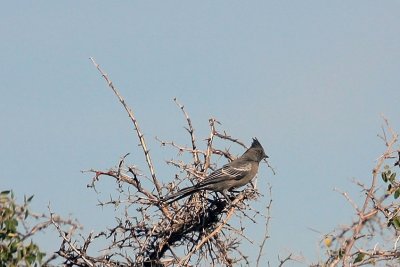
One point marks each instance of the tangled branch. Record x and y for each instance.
(200, 229)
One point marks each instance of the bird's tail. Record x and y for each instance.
(181, 194)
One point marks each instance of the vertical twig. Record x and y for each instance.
(266, 235)
(191, 132)
(210, 140)
(67, 238)
(135, 123)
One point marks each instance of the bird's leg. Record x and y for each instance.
(226, 196)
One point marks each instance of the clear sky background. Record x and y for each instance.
(310, 79)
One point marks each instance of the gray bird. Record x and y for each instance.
(235, 174)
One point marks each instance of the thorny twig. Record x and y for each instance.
(135, 123)
(375, 213)
(190, 129)
(266, 234)
(286, 259)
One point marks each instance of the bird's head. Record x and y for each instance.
(258, 150)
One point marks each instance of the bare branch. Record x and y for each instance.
(286, 259)
(266, 234)
(191, 132)
(210, 139)
(136, 125)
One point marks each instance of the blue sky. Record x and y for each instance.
(310, 79)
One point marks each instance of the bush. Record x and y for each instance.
(15, 248)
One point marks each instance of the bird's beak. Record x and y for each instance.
(265, 156)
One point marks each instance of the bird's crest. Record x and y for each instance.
(259, 148)
(256, 144)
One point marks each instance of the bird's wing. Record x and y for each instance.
(228, 171)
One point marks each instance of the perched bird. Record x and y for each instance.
(232, 175)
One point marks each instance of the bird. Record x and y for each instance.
(235, 174)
